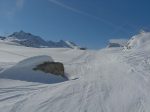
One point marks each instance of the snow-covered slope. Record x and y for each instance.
(72, 45)
(27, 39)
(139, 41)
(30, 40)
(107, 80)
(63, 44)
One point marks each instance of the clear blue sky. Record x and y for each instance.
(89, 23)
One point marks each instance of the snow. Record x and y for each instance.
(24, 71)
(117, 43)
(106, 80)
(72, 45)
(34, 61)
(140, 40)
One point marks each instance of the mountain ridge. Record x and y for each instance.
(30, 40)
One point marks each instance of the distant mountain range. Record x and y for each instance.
(30, 40)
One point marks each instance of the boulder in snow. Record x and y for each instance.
(24, 71)
(55, 68)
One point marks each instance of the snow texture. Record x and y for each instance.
(106, 80)
(140, 40)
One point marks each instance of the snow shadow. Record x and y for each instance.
(24, 71)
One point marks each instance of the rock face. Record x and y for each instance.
(55, 68)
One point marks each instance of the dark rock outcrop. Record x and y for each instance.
(55, 68)
(83, 48)
(2, 38)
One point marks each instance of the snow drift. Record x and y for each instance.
(139, 41)
(24, 71)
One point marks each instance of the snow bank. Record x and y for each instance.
(36, 60)
(24, 71)
(139, 41)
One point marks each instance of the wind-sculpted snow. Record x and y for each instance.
(139, 41)
(24, 71)
(34, 61)
(107, 80)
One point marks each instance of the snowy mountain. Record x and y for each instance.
(30, 40)
(2, 38)
(27, 39)
(66, 44)
(140, 40)
(117, 43)
(106, 80)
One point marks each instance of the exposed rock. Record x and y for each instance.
(23, 71)
(2, 38)
(83, 48)
(55, 68)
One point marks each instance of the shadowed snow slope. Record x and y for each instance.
(107, 80)
(24, 71)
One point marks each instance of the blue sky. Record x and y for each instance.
(89, 23)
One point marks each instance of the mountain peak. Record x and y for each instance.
(30, 40)
(23, 35)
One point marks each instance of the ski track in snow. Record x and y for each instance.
(109, 80)
(12, 53)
